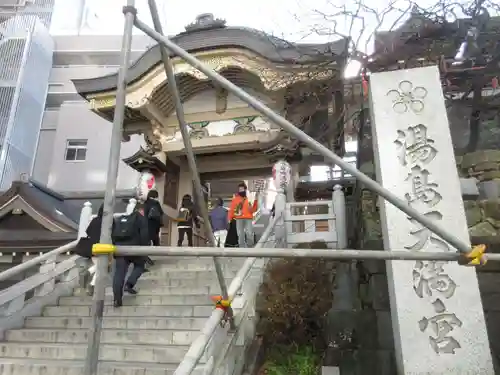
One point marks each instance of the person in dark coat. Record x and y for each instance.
(186, 218)
(232, 235)
(154, 213)
(94, 228)
(139, 237)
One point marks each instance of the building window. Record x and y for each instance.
(76, 150)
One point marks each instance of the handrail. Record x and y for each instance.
(5, 275)
(32, 282)
(199, 345)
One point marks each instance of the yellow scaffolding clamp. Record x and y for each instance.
(103, 248)
(475, 257)
(224, 305)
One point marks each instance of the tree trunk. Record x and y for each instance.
(475, 119)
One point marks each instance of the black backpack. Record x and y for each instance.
(154, 214)
(84, 247)
(125, 228)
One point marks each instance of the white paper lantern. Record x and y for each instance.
(147, 182)
(282, 174)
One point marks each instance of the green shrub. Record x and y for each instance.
(292, 360)
(294, 298)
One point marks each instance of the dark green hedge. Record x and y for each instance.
(294, 299)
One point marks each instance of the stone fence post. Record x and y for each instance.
(130, 206)
(85, 218)
(339, 208)
(280, 232)
(281, 179)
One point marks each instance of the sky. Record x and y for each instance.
(108, 18)
(295, 20)
(312, 21)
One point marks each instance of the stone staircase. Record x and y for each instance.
(45, 318)
(149, 335)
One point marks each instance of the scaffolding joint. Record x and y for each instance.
(129, 9)
(475, 257)
(103, 249)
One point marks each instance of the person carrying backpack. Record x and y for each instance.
(185, 219)
(84, 246)
(242, 211)
(154, 213)
(220, 225)
(129, 230)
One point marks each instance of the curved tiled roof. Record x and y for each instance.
(272, 48)
(47, 202)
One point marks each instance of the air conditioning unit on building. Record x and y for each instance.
(12, 3)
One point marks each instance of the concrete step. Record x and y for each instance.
(198, 266)
(209, 281)
(109, 336)
(17, 366)
(165, 273)
(145, 311)
(162, 260)
(131, 323)
(108, 352)
(141, 300)
(167, 291)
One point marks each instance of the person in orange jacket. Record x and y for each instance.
(242, 212)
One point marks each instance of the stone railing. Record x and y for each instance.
(226, 351)
(54, 280)
(318, 221)
(57, 274)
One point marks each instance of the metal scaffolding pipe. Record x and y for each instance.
(179, 111)
(336, 254)
(92, 356)
(198, 347)
(300, 135)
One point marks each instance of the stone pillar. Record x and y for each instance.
(281, 180)
(160, 178)
(131, 206)
(294, 180)
(85, 219)
(436, 307)
(339, 208)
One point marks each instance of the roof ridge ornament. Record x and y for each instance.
(205, 21)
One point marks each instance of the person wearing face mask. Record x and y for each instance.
(154, 213)
(242, 212)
